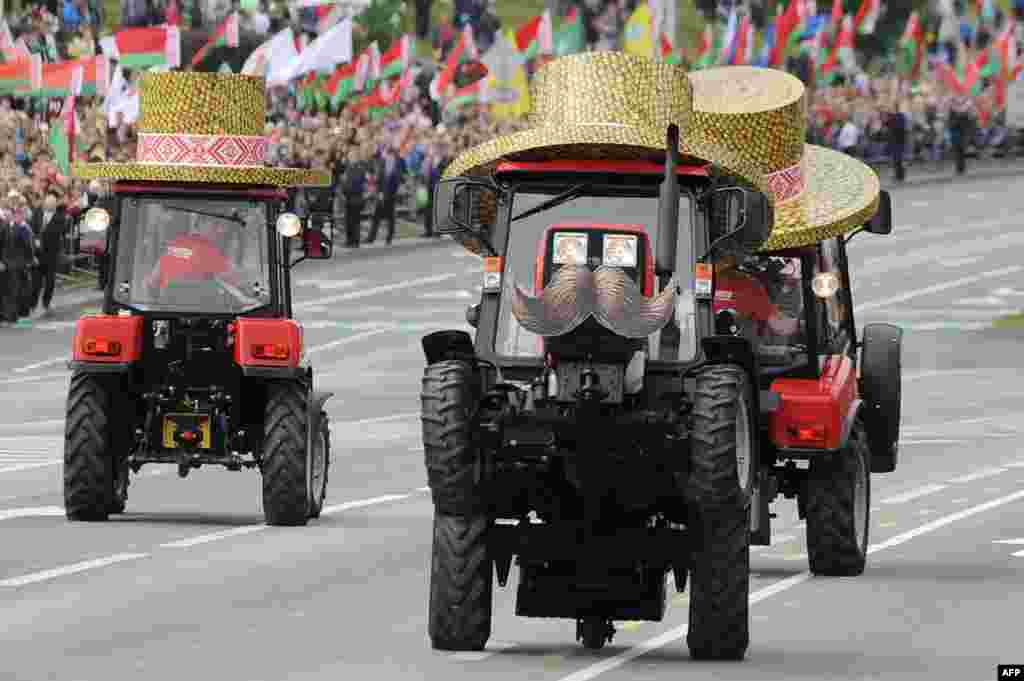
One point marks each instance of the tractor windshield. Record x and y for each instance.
(601, 230)
(193, 255)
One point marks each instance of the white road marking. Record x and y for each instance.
(422, 489)
(978, 475)
(958, 262)
(594, 670)
(44, 363)
(362, 503)
(386, 288)
(212, 536)
(987, 300)
(53, 573)
(937, 288)
(493, 648)
(36, 379)
(930, 442)
(446, 295)
(1008, 541)
(913, 494)
(377, 419)
(345, 341)
(1004, 292)
(36, 512)
(27, 466)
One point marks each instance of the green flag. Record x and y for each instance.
(60, 147)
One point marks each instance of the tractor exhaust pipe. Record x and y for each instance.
(668, 208)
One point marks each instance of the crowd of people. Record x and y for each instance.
(383, 166)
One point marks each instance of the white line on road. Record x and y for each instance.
(53, 573)
(44, 363)
(386, 288)
(936, 288)
(592, 671)
(27, 466)
(35, 379)
(913, 494)
(1014, 464)
(35, 512)
(930, 442)
(212, 536)
(978, 475)
(348, 339)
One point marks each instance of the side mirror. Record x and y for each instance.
(881, 223)
(469, 72)
(318, 242)
(462, 205)
(740, 220)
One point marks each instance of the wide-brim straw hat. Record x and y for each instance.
(746, 123)
(202, 127)
(817, 193)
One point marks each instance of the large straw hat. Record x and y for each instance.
(202, 127)
(818, 193)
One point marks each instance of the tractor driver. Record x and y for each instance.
(748, 299)
(195, 256)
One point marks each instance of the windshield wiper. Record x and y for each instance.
(567, 195)
(230, 218)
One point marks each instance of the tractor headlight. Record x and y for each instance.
(289, 225)
(825, 284)
(95, 220)
(570, 248)
(619, 250)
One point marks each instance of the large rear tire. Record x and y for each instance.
(88, 474)
(461, 583)
(839, 508)
(286, 495)
(448, 401)
(723, 461)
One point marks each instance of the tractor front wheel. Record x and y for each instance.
(88, 473)
(286, 484)
(461, 583)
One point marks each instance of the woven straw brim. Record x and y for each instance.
(597, 142)
(841, 194)
(276, 177)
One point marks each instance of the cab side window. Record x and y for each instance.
(834, 310)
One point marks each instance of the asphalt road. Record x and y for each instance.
(190, 584)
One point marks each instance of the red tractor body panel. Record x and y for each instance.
(108, 339)
(267, 342)
(813, 412)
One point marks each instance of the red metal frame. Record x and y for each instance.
(250, 331)
(124, 329)
(637, 167)
(809, 405)
(648, 282)
(178, 188)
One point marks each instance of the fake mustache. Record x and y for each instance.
(607, 294)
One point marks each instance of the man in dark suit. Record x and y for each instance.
(354, 189)
(49, 225)
(19, 259)
(389, 179)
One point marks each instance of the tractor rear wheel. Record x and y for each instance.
(723, 461)
(321, 463)
(447, 403)
(88, 470)
(286, 495)
(839, 508)
(461, 583)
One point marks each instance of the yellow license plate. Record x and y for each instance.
(183, 422)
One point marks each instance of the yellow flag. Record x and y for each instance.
(639, 38)
(516, 100)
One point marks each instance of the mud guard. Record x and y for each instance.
(317, 399)
(448, 345)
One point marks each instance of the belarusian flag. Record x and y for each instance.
(226, 35)
(867, 16)
(706, 51)
(385, 97)
(787, 26)
(63, 79)
(21, 77)
(396, 60)
(535, 37)
(668, 53)
(368, 68)
(571, 37)
(836, 20)
(911, 47)
(842, 52)
(341, 85)
(141, 48)
(467, 96)
(465, 50)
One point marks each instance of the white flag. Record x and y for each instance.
(327, 51)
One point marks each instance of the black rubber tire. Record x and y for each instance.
(719, 505)
(461, 583)
(283, 464)
(317, 496)
(722, 392)
(448, 399)
(833, 549)
(88, 474)
(881, 384)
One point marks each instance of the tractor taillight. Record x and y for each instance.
(270, 351)
(811, 435)
(101, 347)
(702, 280)
(493, 267)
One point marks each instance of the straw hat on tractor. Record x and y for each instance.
(745, 123)
(202, 127)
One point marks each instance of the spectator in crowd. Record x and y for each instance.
(49, 226)
(354, 190)
(389, 169)
(897, 128)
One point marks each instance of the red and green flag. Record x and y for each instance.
(668, 53)
(21, 77)
(341, 85)
(867, 16)
(144, 47)
(63, 79)
(571, 37)
(535, 37)
(911, 47)
(226, 35)
(395, 60)
(464, 51)
(706, 52)
(787, 32)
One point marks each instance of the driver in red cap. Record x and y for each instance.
(194, 256)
